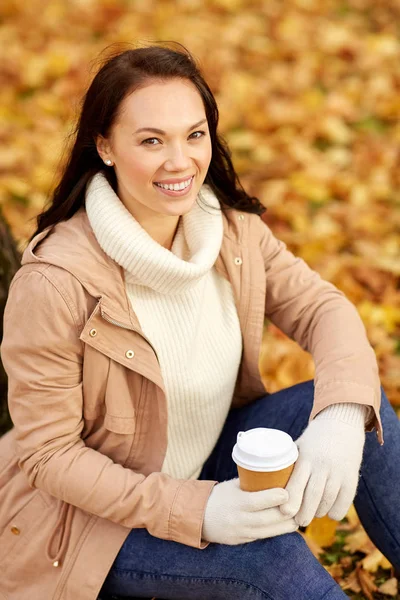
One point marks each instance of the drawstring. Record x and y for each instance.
(64, 524)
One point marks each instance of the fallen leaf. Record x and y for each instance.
(358, 542)
(390, 587)
(366, 582)
(352, 517)
(374, 560)
(322, 531)
(335, 571)
(352, 583)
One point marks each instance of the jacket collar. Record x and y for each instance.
(72, 246)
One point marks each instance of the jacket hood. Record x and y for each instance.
(72, 246)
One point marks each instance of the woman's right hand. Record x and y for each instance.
(233, 516)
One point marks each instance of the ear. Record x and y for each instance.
(103, 148)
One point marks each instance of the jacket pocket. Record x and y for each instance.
(110, 391)
(122, 399)
(19, 537)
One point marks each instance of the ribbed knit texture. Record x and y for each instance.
(186, 310)
(348, 412)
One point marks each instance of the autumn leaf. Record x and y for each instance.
(366, 582)
(322, 531)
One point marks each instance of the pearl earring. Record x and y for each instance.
(108, 162)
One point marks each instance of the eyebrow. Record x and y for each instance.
(161, 132)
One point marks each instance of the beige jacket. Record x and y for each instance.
(81, 466)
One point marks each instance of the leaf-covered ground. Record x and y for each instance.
(309, 98)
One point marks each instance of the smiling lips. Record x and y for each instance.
(176, 189)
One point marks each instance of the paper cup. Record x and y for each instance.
(265, 458)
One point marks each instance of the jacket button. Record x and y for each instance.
(238, 261)
(15, 530)
(93, 332)
(241, 217)
(129, 354)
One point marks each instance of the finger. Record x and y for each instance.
(331, 492)
(280, 528)
(295, 487)
(342, 503)
(311, 499)
(258, 501)
(253, 522)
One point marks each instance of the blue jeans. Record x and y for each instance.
(278, 568)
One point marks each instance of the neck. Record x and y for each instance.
(162, 228)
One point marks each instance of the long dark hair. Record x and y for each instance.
(119, 76)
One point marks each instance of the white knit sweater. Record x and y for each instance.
(186, 310)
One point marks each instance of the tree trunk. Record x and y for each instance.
(9, 263)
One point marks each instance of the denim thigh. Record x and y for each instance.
(278, 568)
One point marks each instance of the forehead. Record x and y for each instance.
(162, 104)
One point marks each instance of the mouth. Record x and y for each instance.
(175, 189)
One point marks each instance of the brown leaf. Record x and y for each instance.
(352, 583)
(366, 582)
(346, 562)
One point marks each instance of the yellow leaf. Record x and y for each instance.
(58, 64)
(352, 516)
(374, 560)
(309, 187)
(385, 315)
(322, 531)
(15, 186)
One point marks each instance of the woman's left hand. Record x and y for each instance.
(325, 477)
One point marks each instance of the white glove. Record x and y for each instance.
(233, 516)
(325, 477)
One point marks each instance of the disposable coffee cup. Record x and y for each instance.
(265, 458)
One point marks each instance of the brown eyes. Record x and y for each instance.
(149, 141)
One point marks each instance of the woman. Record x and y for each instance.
(131, 342)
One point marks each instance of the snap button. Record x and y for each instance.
(238, 261)
(15, 530)
(93, 332)
(129, 354)
(241, 217)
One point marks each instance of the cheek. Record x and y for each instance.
(139, 168)
(206, 156)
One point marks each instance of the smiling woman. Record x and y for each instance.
(131, 343)
(153, 173)
(154, 90)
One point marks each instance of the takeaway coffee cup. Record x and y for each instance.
(265, 458)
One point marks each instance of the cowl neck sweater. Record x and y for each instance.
(195, 248)
(186, 310)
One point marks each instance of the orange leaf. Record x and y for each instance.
(322, 531)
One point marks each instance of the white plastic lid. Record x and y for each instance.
(264, 449)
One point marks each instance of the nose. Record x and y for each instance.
(178, 159)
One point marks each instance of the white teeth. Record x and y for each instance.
(175, 186)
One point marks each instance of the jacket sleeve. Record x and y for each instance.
(320, 318)
(43, 356)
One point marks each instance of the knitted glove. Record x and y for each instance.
(233, 516)
(325, 477)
